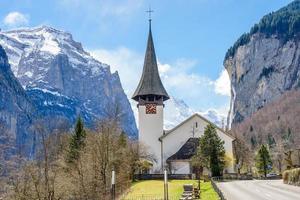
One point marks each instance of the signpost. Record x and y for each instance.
(113, 185)
(166, 195)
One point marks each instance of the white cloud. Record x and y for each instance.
(163, 68)
(128, 64)
(15, 19)
(222, 84)
(179, 78)
(184, 84)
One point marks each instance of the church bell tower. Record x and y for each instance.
(150, 95)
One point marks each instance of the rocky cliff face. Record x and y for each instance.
(264, 63)
(63, 80)
(16, 109)
(260, 72)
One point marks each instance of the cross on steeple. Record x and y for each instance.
(149, 12)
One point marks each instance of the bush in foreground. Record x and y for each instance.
(292, 176)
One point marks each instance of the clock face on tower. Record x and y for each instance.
(151, 108)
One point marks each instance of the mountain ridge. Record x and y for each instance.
(63, 80)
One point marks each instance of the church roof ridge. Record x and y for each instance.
(150, 82)
(167, 132)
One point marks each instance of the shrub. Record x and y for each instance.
(292, 176)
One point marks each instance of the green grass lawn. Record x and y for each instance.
(208, 192)
(153, 189)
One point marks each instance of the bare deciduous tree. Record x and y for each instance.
(37, 179)
(242, 154)
(50, 177)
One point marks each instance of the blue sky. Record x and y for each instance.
(191, 37)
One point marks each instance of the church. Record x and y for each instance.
(173, 149)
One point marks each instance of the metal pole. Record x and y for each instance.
(166, 195)
(113, 185)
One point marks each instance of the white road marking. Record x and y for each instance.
(268, 195)
(259, 190)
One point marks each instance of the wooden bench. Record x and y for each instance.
(190, 192)
(187, 192)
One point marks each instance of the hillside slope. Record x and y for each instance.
(275, 124)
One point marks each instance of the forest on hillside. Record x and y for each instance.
(276, 125)
(284, 23)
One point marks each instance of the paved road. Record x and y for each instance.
(259, 190)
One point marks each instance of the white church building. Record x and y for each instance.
(172, 148)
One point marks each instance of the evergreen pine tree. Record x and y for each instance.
(77, 141)
(211, 152)
(122, 141)
(263, 160)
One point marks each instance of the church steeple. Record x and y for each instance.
(150, 85)
(150, 95)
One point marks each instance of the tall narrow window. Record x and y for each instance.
(196, 124)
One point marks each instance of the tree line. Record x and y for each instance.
(276, 126)
(258, 162)
(285, 23)
(76, 165)
(265, 158)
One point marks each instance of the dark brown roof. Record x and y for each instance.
(150, 83)
(187, 151)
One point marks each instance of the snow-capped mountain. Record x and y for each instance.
(63, 80)
(214, 116)
(30, 50)
(176, 111)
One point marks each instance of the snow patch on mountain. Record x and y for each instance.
(57, 72)
(216, 117)
(47, 42)
(50, 45)
(176, 111)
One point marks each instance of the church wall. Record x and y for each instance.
(150, 129)
(180, 167)
(178, 137)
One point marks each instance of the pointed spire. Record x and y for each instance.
(150, 83)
